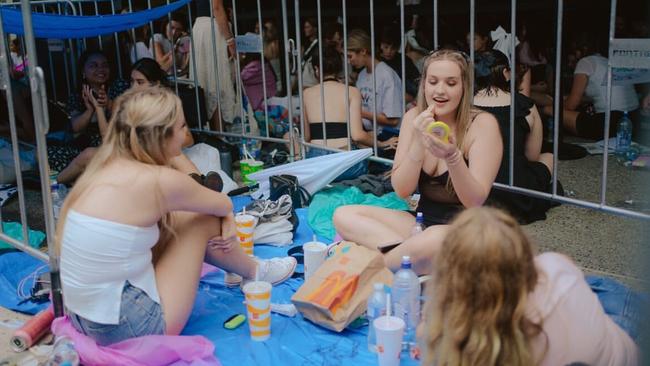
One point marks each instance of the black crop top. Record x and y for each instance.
(334, 130)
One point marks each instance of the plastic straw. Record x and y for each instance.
(388, 307)
(243, 210)
(313, 238)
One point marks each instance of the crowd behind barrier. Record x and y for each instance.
(307, 84)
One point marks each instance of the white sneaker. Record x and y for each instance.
(275, 270)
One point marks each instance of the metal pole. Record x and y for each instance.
(117, 45)
(288, 74)
(346, 72)
(320, 74)
(435, 25)
(41, 122)
(50, 63)
(513, 90)
(403, 56)
(608, 112)
(99, 38)
(216, 65)
(193, 58)
(65, 59)
(4, 70)
(262, 58)
(300, 81)
(472, 16)
(238, 71)
(557, 96)
(173, 51)
(374, 74)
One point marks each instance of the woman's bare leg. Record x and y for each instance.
(76, 166)
(178, 265)
(569, 119)
(371, 226)
(422, 249)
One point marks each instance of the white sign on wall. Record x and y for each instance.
(631, 53)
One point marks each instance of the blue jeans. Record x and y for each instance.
(352, 172)
(623, 305)
(139, 316)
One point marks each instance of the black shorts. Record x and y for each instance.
(592, 125)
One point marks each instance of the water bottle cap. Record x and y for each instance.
(406, 261)
(379, 286)
(419, 214)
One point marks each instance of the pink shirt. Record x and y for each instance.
(576, 326)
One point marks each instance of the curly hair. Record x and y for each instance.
(476, 309)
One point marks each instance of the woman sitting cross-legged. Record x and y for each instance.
(449, 175)
(493, 302)
(133, 232)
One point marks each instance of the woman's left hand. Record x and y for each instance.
(439, 148)
(228, 237)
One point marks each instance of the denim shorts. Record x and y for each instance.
(139, 316)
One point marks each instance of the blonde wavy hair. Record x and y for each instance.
(475, 310)
(142, 122)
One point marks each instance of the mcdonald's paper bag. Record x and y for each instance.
(338, 291)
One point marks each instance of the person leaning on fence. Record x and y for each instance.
(449, 176)
(531, 168)
(88, 108)
(492, 301)
(130, 211)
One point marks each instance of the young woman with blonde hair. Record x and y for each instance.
(449, 176)
(493, 302)
(129, 201)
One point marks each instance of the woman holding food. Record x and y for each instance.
(447, 150)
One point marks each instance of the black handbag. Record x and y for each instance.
(288, 184)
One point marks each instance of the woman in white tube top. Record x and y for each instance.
(134, 232)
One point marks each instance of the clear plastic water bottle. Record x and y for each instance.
(624, 136)
(406, 300)
(419, 224)
(376, 308)
(57, 202)
(63, 353)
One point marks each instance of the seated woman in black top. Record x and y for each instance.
(449, 175)
(532, 169)
(336, 112)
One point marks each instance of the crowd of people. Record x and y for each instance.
(133, 185)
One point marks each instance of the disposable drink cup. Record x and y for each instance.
(258, 308)
(249, 166)
(245, 227)
(315, 254)
(389, 331)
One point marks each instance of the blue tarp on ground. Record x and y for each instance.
(294, 341)
(78, 26)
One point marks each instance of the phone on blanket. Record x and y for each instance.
(387, 247)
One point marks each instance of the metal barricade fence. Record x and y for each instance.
(291, 52)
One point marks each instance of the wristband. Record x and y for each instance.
(230, 40)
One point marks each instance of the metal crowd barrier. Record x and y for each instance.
(292, 56)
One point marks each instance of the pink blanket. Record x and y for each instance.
(141, 351)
